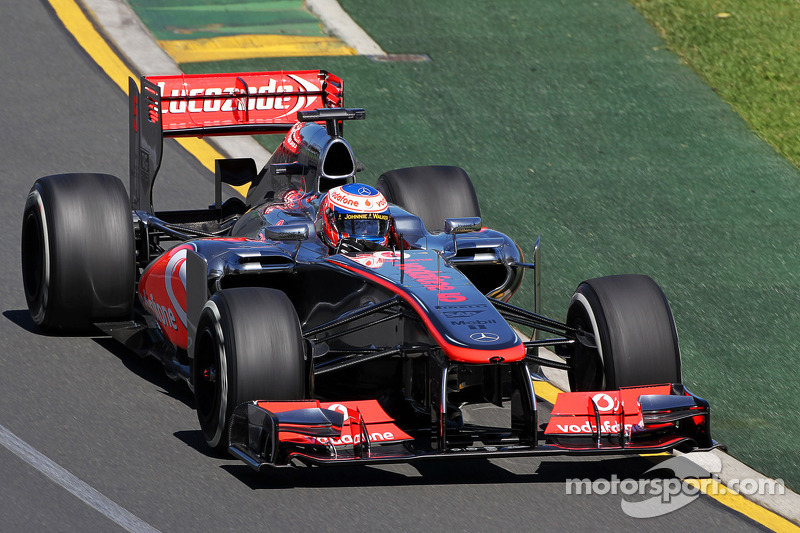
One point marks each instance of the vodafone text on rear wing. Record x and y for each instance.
(216, 104)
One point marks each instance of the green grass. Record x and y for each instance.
(577, 124)
(748, 51)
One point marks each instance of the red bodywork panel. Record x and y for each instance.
(574, 414)
(380, 426)
(162, 291)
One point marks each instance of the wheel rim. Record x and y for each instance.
(206, 382)
(588, 366)
(32, 257)
(211, 376)
(35, 257)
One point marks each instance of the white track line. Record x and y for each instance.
(72, 484)
(338, 22)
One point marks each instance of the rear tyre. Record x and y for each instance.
(432, 193)
(78, 254)
(248, 347)
(637, 343)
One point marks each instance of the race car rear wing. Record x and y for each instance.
(216, 104)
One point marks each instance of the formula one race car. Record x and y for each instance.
(321, 320)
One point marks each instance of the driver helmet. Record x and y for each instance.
(354, 211)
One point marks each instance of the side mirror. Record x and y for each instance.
(236, 172)
(290, 232)
(455, 226)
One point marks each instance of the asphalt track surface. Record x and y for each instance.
(120, 426)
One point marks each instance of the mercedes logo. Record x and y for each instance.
(363, 191)
(485, 337)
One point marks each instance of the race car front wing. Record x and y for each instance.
(629, 421)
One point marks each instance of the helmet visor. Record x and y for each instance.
(358, 225)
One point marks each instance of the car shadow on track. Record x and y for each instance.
(148, 369)
(444, 472)
(195, 440)
(22, 318)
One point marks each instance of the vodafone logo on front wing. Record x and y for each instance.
(587, 428)
(349, 439)
(605, 403)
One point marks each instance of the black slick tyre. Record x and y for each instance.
(634, 331)
(432, 193)
(248, 347)
(78, 254)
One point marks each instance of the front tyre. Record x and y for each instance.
(249, 346)
(634, 331)
(78, 254)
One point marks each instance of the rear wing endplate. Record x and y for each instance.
(216, 104)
